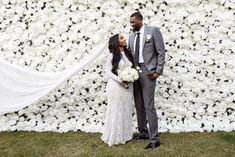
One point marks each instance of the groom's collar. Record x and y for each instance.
(142, 29)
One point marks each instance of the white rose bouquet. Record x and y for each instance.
(128, 75)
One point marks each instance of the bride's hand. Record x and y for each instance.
(125, 84)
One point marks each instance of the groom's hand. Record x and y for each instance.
(154, 76)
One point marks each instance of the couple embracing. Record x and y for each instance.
(146, 52)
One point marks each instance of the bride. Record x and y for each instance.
(118, 121)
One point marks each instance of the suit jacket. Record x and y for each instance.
(153, 49)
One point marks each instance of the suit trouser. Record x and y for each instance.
(144, 90)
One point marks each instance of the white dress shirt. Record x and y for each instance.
(141, 59)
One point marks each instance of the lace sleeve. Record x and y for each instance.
(109, 69)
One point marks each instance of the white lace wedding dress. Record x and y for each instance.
(118, 123)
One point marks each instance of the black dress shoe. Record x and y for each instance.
(153, 145)
(139, 137)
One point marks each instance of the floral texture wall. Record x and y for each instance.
(196, 92)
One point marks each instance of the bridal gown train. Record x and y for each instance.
(118, 122)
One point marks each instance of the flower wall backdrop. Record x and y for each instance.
(196, 93)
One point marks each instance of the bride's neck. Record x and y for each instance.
(121, 49)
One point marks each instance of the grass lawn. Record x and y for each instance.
(48, 144)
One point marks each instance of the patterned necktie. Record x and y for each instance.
(137, 49)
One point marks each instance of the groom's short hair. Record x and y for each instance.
(137, 15)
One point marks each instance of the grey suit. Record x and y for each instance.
(144, 88)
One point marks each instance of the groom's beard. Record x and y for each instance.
(135, 29)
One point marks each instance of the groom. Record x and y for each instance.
(147, 47)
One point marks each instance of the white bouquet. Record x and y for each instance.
(128, 74)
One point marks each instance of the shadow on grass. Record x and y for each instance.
(228, 138)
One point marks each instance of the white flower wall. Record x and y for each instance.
(196, 93)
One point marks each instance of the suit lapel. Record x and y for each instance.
(132, 38)
(145, 33)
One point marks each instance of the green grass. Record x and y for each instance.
(48, 144)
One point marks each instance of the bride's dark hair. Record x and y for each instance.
(114, 48)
